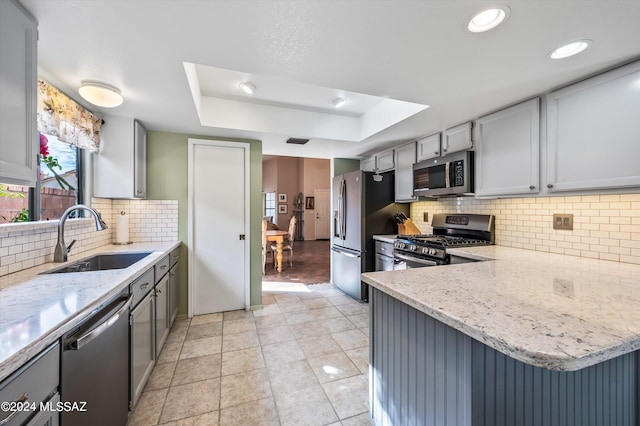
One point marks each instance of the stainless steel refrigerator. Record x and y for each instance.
(363, 206)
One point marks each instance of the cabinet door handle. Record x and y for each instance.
(144, 286)
(532, 187)
(163, 267)
(436, 152)
(549, 185)
(22, 399)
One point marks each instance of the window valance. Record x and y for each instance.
(70, 122)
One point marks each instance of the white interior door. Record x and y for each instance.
(218, 226)
(323, 212)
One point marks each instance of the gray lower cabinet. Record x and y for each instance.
(174, 286)
(162, 312)
(424, 372)
(143, 354)
(35, 383)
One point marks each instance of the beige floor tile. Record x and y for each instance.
(270, 321)
(177, 335)
(292, 306)
(360, 320)
(242, 361)
(253, 413)
(309, 406)
(239, 325)
(201, 347)
(278, 334)
(340, 299)
(236, 315)
(268, 300)
(282, 353)
(206, 319)
(318, 345)
(283, 298)
(291, 377)
(160, 377)
(149, 407)
(299, 317)
(360, 357)
(348, 396)
(309, 329)
(237, 341)
(195, 369)
(207, 419)
(244, 387)
(315, 303)
(351, 339)
(190, 400)
(353, 308)
(360, 420)
(267, 310)
(202, 331)
(332, 292)
(333, 366)
(334, 325)
(326, 313)
(170, 352)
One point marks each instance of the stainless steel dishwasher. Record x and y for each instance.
(95, 366)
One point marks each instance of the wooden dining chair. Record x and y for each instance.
(264, 246)
(287, 245)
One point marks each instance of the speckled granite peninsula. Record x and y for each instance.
(521, 335)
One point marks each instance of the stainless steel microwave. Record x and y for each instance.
(451, 175)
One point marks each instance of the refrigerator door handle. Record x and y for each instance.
(346, 253)
(344, 210)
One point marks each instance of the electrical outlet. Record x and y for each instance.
(425, 216)
(563, 221)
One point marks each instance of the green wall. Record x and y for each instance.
(344, 165)
(167, 180)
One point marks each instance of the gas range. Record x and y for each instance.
(450, 230)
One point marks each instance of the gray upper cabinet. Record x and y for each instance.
(428, 147)
(507, 151)
(385, 161)
(19, 146)
(457, 139)
(368, 164)
(405, 157)
(593, 136)
(120, 166)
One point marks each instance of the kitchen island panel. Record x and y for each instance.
(458, 380)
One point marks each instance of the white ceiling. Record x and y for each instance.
(417, 52)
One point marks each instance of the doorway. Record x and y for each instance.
(323, 213)
(218, 222)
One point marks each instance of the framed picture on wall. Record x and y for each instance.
(309, 203)
(282, 198)
(282, 208)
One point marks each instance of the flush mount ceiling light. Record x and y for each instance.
(488, 19)
(569, 49)
(339, 102)
(100, 94)
(248, 87)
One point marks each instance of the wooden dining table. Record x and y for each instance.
(277, 236)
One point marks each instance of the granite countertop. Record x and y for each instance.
(36, 310)
(548, 310)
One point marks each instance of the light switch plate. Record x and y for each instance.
(563, 221)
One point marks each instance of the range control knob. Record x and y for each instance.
(400, 244)
(413, 247)
(425, 250)
(432, 252)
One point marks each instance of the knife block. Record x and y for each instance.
(408, 228)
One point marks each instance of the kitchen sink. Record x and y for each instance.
(101, 262)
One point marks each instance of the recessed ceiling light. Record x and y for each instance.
(569, 49)
(248, 87)
(488, 19)
(339, 102)
(100, 94)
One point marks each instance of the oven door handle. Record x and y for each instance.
(416, 260)
(88, 337)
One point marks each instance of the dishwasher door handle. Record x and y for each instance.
(87, 338)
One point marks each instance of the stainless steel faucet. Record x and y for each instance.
(60, 254)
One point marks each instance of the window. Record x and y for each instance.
(269, 204)
(58, 185)
(64, 127)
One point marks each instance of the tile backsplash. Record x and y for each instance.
(26, 245)
(605, 227)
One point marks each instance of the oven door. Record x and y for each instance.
(402, 261)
